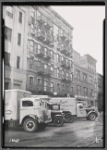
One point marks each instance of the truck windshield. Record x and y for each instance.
(39, 103)
(55, 107)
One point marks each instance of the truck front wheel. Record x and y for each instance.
(69, 118)
(92, 116)
(58, 121)
(30, 125)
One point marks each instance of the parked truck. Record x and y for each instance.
(73, 109)
(56, 114)
(23, 110)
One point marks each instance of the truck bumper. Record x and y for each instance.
(46, 121)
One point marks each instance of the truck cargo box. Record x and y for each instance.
(11, 103)
(66, 103)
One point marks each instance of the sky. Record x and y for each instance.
(87, 23)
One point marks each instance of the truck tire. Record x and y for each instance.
(58, 121)
(30, 125)
(69, 118)
(92, 116)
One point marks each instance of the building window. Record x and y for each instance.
(7, 59)
(71, 75)
(63, 74)
(20, 17)
(58, 58)
(6, 85)
(67, 75)
(51, 87)
(32, 14)
(58, 73)
(78, 90)
(91, 92)
(9, 11)
(39, 48)
(77, 74)
(85, 91)
(58, 87)
(31, 80)
(52, 69)
(39, 82)
(99, 82)
(52, 55)
(45, 66)
(84, 76)
(19, 39)
(32, 29)
(8, 33)
(90, 79)
(72, 90)
(31, 46)
(45, 52)
(45, 85)
(71, 64)
(18, 62)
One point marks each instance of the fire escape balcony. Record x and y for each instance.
(47, 72)
(48, 39)
(63, 79)
(63, 64)
(41, 34)
(65, 51)
(47, 57)
(63, 37)
(40, 70)
(43, 72)
(40, 54)
(68, 66)
(39, 88)
(47, 26)
(68, 80)
(40, 21)
(58, 46)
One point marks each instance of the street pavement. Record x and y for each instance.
(81, 133)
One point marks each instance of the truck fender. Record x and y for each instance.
(91, 112)
(29, 116)
(57, 116)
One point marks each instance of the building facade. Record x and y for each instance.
(14, 47)
(85, 79)
(39, 52)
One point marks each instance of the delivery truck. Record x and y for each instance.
(23, 110)
(74, 108)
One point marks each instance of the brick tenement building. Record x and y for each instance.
(46, 54)
(85, 78)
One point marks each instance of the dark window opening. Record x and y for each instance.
(7, 59)
(20, 17)
(27, 103)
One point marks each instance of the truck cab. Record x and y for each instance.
(33, 113)
(57, 115)
(89, 113)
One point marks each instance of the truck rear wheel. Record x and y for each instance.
(69, 118)
(58, 121)
(30, 125)
(92, 116)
